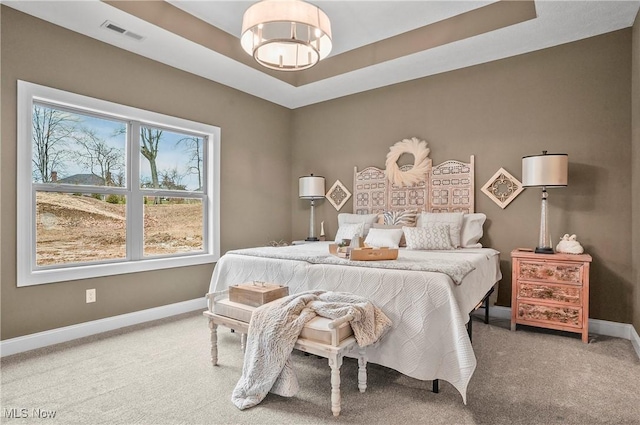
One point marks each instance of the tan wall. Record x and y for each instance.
(635, 167)
(573, 99)
(255, 160)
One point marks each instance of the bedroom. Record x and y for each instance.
(580, 98)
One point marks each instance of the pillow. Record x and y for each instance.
(367, 219)
(472, 230)
(384, 237)
(454, 220)
(403, 217)
(349, 231)
(431, 236)
(403, 241)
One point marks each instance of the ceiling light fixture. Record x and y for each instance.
(286, 35)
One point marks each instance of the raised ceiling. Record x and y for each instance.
(376, 43)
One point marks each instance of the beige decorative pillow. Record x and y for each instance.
(349, 231)
(349, 218)
(454, 220)
(402, 217)
(432, 236)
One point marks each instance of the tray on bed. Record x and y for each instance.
(364, 253)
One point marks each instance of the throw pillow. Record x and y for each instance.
(367, 219)
(402, 217)
(454, 220)
(349, 231)
(389, 238)
(472, 230)
(403, 240)
(432, 236)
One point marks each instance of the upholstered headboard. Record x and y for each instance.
(447, 187)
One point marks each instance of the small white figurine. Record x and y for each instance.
(569, 245)
(322, 228)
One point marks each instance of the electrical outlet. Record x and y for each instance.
(91, 295)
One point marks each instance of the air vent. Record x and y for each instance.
(116, 28)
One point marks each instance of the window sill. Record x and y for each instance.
(41, 277)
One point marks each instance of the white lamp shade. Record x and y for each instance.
(545, 170)
(311, 187)
(287, 35)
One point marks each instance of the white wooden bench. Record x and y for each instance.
(331, 339)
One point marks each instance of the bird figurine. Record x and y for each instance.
(569, 245)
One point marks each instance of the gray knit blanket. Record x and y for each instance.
(274, 329)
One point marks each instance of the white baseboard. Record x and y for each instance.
(596, 326)
(68, 333)
(635, 340)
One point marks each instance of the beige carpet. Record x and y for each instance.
(159, 373)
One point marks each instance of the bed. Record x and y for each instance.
(429, 307)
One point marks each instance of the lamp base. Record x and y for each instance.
(544, 250)
(312, 239)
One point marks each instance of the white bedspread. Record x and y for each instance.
(428, 339)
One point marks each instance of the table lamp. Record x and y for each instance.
(311, 188)
(546, 170)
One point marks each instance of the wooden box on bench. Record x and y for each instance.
(256, 293)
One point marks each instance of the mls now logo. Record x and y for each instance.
(16, 413)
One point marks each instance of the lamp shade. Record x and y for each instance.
(286, 35)
(311, 187)
(545, 170)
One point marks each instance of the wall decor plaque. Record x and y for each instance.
(502, 188)
(338, 195)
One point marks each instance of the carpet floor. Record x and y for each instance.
(160, 373)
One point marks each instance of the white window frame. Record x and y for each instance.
(28, 273)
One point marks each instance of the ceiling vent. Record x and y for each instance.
(118, 29)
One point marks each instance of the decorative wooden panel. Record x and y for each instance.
(370, 191)
(448, 187)
(452, 187)
(413, 197)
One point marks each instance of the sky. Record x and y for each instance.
(172, 153)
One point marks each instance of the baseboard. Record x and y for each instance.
(68, 333)
(635, 340)
(596, 326)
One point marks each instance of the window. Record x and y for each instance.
(106, 189)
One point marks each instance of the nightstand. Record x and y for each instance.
(550, 291)
(302, 242)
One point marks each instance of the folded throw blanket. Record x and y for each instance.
(274, 329)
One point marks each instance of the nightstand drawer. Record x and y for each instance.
(566, 316)
(567, 294)
(551, 272)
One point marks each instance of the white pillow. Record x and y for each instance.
(349, 231)
(384, 237)
(454, 220)
(431, 236)
(367, 219)
(472, 230)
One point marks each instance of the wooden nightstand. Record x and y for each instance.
(302, 242)
(551, 291)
